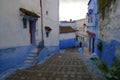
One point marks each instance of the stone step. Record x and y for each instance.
(29, 61)
(33, 54)
(34, 50)
(32, 58)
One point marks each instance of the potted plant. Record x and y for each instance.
(99, 47)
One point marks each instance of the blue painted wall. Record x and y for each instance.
(47, 52)
(66, 43)
(108, 52)
(12, 57)
(93, 26)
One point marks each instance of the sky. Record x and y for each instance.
(73, 9)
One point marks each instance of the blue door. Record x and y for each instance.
(32, 28)
(93, 45)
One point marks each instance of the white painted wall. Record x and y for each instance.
(12, 32)
(81, 29)
(51, 20)
(67, 36)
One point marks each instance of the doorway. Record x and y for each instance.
(32, 28)
(93, 45)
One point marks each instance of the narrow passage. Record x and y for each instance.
(63, 66)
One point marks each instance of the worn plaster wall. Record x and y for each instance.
(51, 19)
(109, 30)
(14, 39)
(109, 25)
(12, 32)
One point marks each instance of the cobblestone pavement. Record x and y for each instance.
(86, 52)
(63, 66)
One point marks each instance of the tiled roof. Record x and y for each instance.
(66, 29)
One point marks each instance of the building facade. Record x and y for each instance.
(81, 33)
(15, 23)
(19, 31)
(92, 25)
(51, 20)
(67, 37)
(69, 23)
(109, 30)
(24, 25)
(50, 24)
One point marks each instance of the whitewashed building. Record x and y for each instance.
(67, 37)
(50, 24)
(19, 30)
(69, 23)
(24, 24)
(12, 15)
(81, 31)
(50, 13)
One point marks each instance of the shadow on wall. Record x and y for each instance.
(11, 58)
(47, 52)
(107, 54)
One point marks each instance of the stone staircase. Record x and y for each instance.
(31, 59)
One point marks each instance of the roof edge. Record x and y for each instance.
(89, 2)
(28, 12)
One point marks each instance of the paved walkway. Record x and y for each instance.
(86, 51)
(63, 66)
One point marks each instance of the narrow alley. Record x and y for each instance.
(64, 66)
(60, 40)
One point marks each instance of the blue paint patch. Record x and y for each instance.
(80, 50)
(47, 52)
(108, 52)
(66, 43)
(13, 57)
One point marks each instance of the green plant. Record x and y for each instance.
(99, 46)
(112, 73)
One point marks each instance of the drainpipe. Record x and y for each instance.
(42, 23)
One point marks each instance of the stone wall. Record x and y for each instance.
(109, 30)
(109, 25)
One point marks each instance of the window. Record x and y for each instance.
(47, 30)
(90, 20)
(46, 12)
(24, 23)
